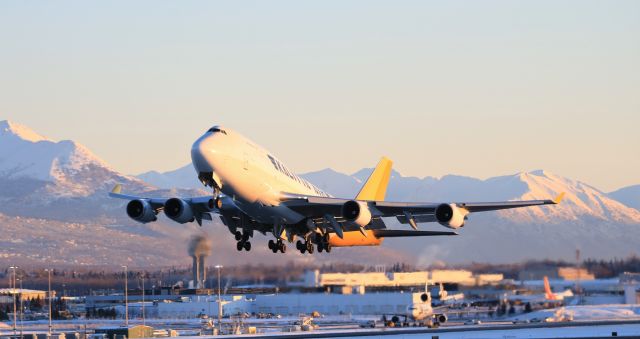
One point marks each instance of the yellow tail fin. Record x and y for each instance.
(376, 186)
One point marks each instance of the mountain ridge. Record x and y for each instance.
(64, 184)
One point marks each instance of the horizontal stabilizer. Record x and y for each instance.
(407, 233)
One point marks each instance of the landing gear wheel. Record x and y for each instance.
(320, 248)
(309, 247)
(327, 247)
(247, 246)
(299, 246)
(272, 245)
(238, 235)
(239, 246)
(282, 246)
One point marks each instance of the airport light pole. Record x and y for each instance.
(209, 303)
(48, 270)
(126, 297)
(13, 291)
(219, 300)
(21, 309)
(143, 316)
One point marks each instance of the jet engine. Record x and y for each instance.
(450, 215)
(357, 212)
(178, 210)
(441, 318)
(140, 210)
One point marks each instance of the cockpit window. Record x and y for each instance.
(216, 129)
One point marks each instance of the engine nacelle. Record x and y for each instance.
(441, 318)
(357, 212)
(450, 215)
(140, 210)
(178, 210)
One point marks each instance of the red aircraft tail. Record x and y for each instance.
(547, 290)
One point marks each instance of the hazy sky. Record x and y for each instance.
(478, 88)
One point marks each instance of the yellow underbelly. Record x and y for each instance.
(355, 238)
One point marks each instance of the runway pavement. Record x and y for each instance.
(591, 329)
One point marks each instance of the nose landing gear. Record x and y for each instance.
(243, 241)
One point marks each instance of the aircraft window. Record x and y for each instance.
(216, 129)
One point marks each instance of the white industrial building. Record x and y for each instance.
(399, 279)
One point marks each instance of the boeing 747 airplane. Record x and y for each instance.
(253, 192)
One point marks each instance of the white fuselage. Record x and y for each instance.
(250, 175)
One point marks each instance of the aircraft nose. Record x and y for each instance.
(204, 153)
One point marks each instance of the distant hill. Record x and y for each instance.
(629, 196)
(183, 177)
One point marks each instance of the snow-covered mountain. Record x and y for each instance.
(581, 201)
(629, 196)
(76, 171)
(62, 180)
(53, 193)
(587, 218)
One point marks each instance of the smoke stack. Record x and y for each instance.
(195, 271)
(203, 272)
(199, 248)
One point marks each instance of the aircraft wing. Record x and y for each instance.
(405, 212)
(384, 233)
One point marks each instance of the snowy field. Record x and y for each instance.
(588, 312)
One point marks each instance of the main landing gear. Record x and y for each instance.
(306, 246)
(243, 241)
(323, 244)
(277, 245)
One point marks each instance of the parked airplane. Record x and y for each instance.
(547, 296)
(253, 191)
(555, 296)
(420, 312)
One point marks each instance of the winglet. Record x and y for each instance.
(116, 189)
(559, 198)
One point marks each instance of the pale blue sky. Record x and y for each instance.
(476, 88)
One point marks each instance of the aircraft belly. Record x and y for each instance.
(355, 238)
(268, 214)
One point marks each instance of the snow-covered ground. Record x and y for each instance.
(557, 332)
(588, 312)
